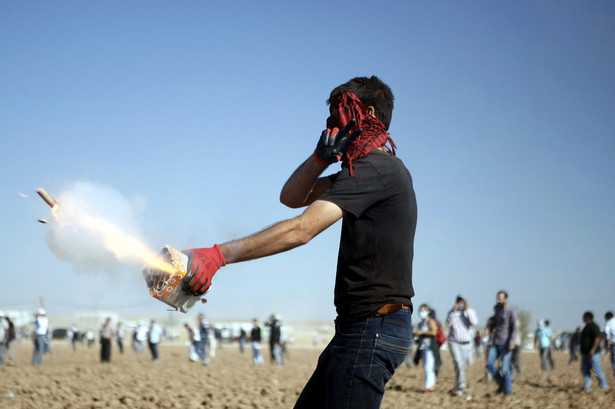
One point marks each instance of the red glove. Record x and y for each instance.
(202, 265)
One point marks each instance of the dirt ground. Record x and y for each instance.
(70, 379)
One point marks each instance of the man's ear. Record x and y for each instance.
(371, 111)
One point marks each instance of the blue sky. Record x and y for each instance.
(197, 112)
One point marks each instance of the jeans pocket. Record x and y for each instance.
(389, 352)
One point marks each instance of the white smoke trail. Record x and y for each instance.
(96, 229)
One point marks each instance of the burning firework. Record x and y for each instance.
(75, 220)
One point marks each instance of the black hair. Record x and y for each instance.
(588, 314)
(372, 92)
(608, 315)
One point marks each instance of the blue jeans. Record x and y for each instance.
(2, 352)
(592, 363)
(545, 357)
(277, 354)
(354, 368)
(201, 350)
(39, 350)
(503, 376)
(429, 362)
(256, 353)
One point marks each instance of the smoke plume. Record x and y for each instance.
(96, 230)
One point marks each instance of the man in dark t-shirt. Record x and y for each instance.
(376, 245)
(590, 352)
(374, 195)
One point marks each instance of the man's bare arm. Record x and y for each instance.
(304, 186)
(284, 235)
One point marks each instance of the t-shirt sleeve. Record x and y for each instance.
(355, 193)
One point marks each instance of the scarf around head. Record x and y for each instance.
(374, 135)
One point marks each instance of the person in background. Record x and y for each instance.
(542, 339)
(551, 345)
(242, 340)
(427, 330)
(515, 358)
(504, 329)
(89, 335)
(153, 337)
(590, 353)
(10, 344)
(285, 340)
(74, 337)
(204, 333)
(218, 337)
(275, 339)
(4, 337)
(255, 338)
(487, 342)
(478, 343)
(575, 343)
(461, 320)
(41, 333)
(192, 340)
(139, 337)
(119, 337)
(609, 335)
(106, 335)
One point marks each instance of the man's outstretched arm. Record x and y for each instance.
(284, 235)
(280, 237)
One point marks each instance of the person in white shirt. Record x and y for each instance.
(461, 321)
(609, 334)
(41, 332)
(140, 337)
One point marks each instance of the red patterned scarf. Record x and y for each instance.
(347, 105)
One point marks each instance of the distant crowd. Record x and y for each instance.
(500, 340)
(203, 339)
(502, 343)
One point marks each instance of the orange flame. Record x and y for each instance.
(122, 245)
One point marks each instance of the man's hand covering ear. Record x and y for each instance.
(202, 265)
(332, 144)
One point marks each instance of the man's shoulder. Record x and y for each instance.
(591, 328)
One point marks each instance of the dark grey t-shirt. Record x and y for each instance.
(377, 242)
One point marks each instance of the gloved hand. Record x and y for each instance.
(333, 144)
(202, 265)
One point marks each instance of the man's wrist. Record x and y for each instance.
(320, 161)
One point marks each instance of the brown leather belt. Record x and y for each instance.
(392, 308)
